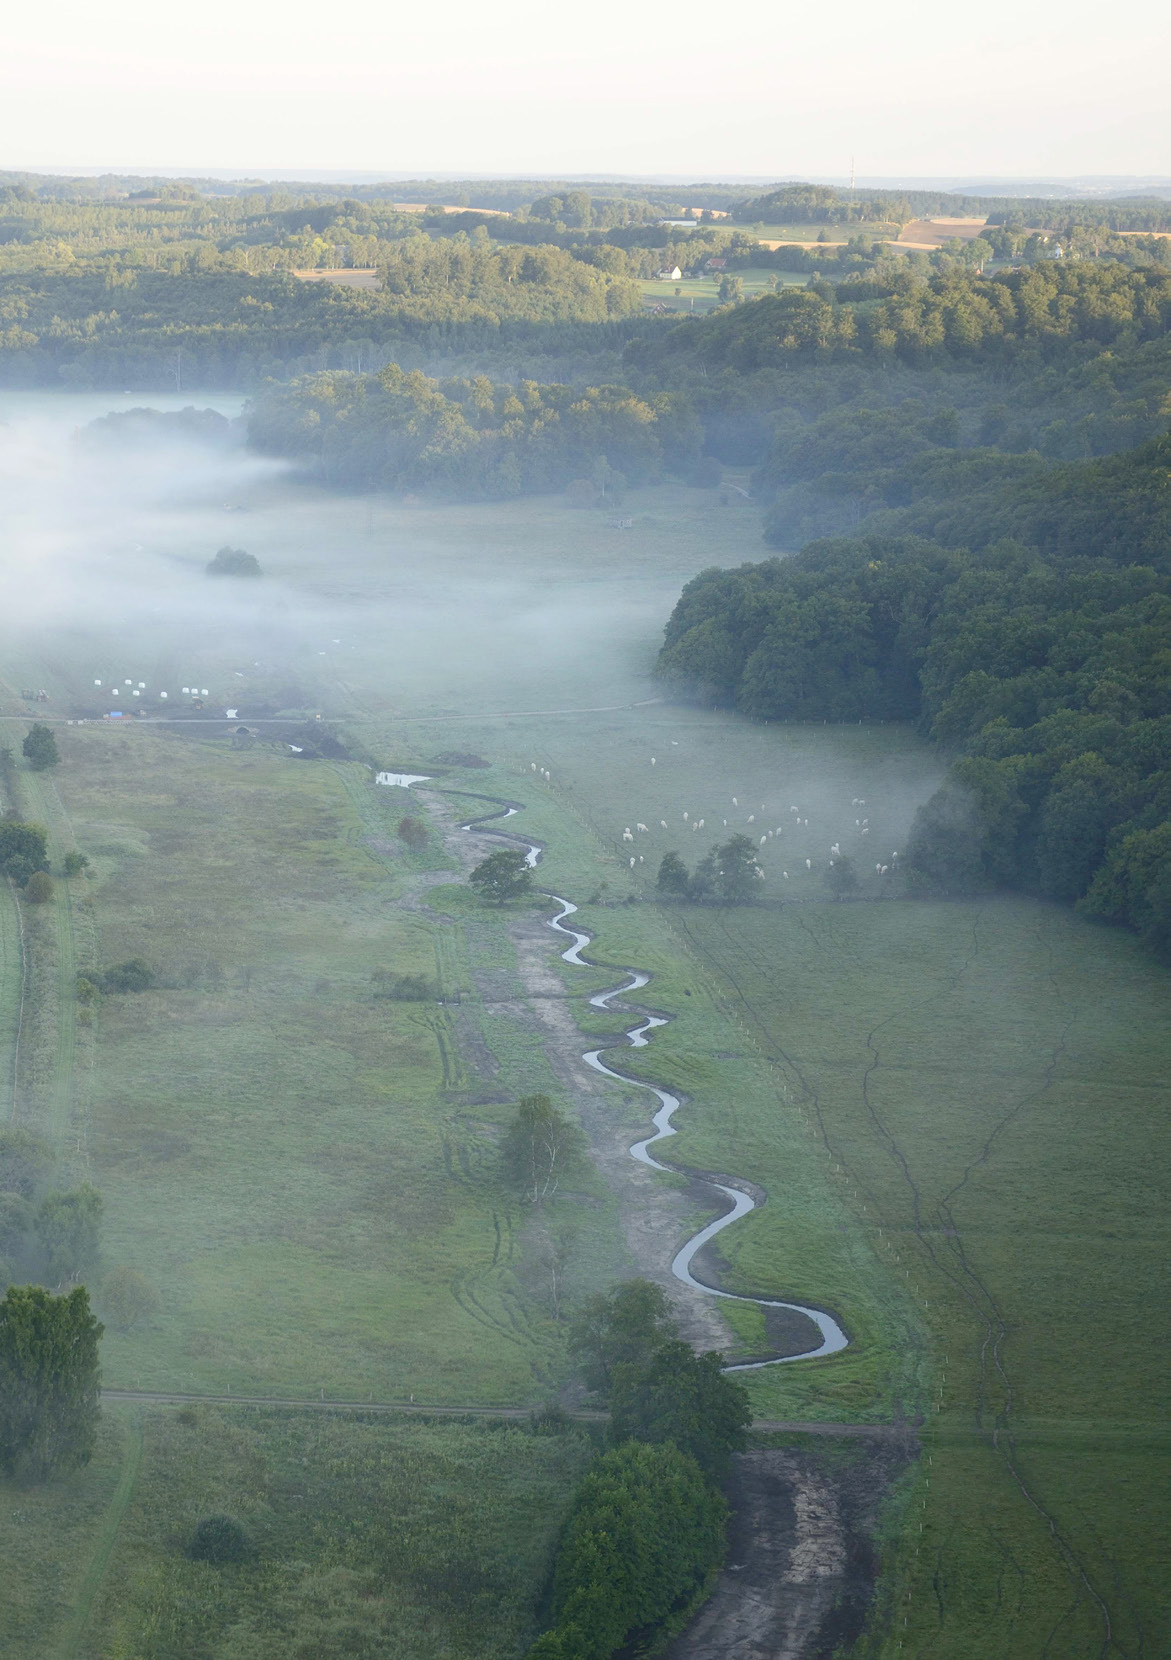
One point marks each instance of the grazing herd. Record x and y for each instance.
(694, 824)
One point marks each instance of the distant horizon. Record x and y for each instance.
(1024, 183)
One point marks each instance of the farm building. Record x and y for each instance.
(673, 275)
(715, 264)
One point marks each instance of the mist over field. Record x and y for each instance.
(108, 536)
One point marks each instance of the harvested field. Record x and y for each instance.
(933, 233)
(343, 278)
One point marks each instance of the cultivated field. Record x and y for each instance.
(926, 234)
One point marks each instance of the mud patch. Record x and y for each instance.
(801, 1567)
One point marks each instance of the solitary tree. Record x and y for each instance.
(501, 876)
(49, 1379)
(541, 1147)
(737, 871)
(40, 748)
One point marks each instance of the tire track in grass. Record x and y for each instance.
(963, 1277)
(91, 1583)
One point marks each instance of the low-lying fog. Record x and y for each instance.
(106, 543)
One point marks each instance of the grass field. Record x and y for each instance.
(955, 1109)
(702, 294)
(428, 1540)
(275, 1145)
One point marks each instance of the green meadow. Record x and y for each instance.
(702, 294)
(958, 1111)
(363, 1536)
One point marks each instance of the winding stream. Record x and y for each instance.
(832, 1338)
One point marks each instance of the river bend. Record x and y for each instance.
(832, 1339)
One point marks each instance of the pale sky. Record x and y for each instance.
(1010, 87)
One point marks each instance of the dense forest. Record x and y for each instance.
(402, 430)
(1038, 655)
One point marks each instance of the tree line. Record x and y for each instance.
(647, 1530)
(1040, 662)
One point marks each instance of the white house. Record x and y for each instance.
(670, 276)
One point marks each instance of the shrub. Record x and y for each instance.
(405, 988)
(234, 562)
(75, 863)
(26, 1160)
(413, 833)
(133, 975)
(40, 748)
(218, 1539)
(128, 1297)
(645, 1534)
(22, 849)
(38, 890)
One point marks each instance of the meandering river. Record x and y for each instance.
(832, 1339)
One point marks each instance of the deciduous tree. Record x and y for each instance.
(502, 876)
(541, 1148)
(621, 1326)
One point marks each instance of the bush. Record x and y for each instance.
(23, 849)
(234, 562)
(75, 863)
(218, 1539)
(68, 1224)
(128, 1297)
(26, 1160)
(40, 748)
(38, 890)
(646, 1533)
(413, 832)
(133, 975)
(404, 988)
